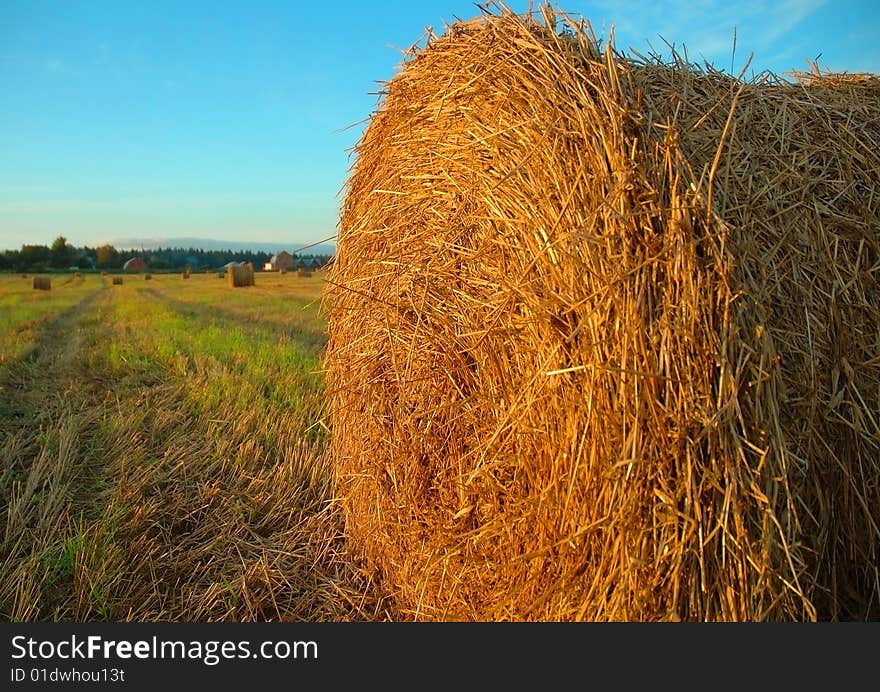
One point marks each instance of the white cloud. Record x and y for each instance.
(706, 27)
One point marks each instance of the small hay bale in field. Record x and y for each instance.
(239, 276)
(148, 277)
(282, 271)
(42, 283)
(221, 275)
(186, 275)
(304, 272)
(117, 280)
(603, 336)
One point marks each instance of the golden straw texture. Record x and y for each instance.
(604, 335)
(238, 276)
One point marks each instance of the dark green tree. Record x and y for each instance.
(62, 253)
(106, 256)
(35, 257)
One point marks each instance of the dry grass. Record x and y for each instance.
(604, 336)
(164, 460)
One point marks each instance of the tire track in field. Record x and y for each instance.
(45, 418)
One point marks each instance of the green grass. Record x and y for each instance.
(166, 454)
(24, 311)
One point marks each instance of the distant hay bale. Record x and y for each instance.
(42, 283)
(221, 275)
(282, 271)
(238, 276)
(304, 272)
(117, 280)
(186, 275)
(148, 277)
(603, 336)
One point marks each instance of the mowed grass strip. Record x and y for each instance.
(24, 310)
(244, 362)
(195, 483)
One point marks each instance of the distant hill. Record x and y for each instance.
(212, 244)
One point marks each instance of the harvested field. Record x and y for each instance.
(599, 342)
(164, 457)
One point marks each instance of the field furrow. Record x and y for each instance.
(164, 459)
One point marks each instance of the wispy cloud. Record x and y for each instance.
(706, 27)
(56, 66)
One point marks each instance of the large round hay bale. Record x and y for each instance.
(604, 340)
(117, 280)
(42, 283)
(238, 276)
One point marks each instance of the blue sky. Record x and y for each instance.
(234, 120)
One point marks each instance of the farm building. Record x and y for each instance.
(134, 265)
(280, 260)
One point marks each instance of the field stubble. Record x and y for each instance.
(164, 455)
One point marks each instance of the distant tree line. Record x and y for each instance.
(61, 256)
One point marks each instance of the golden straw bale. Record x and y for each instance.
(117, 280)
(42, 283)
(238, 276)
(603, 336)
